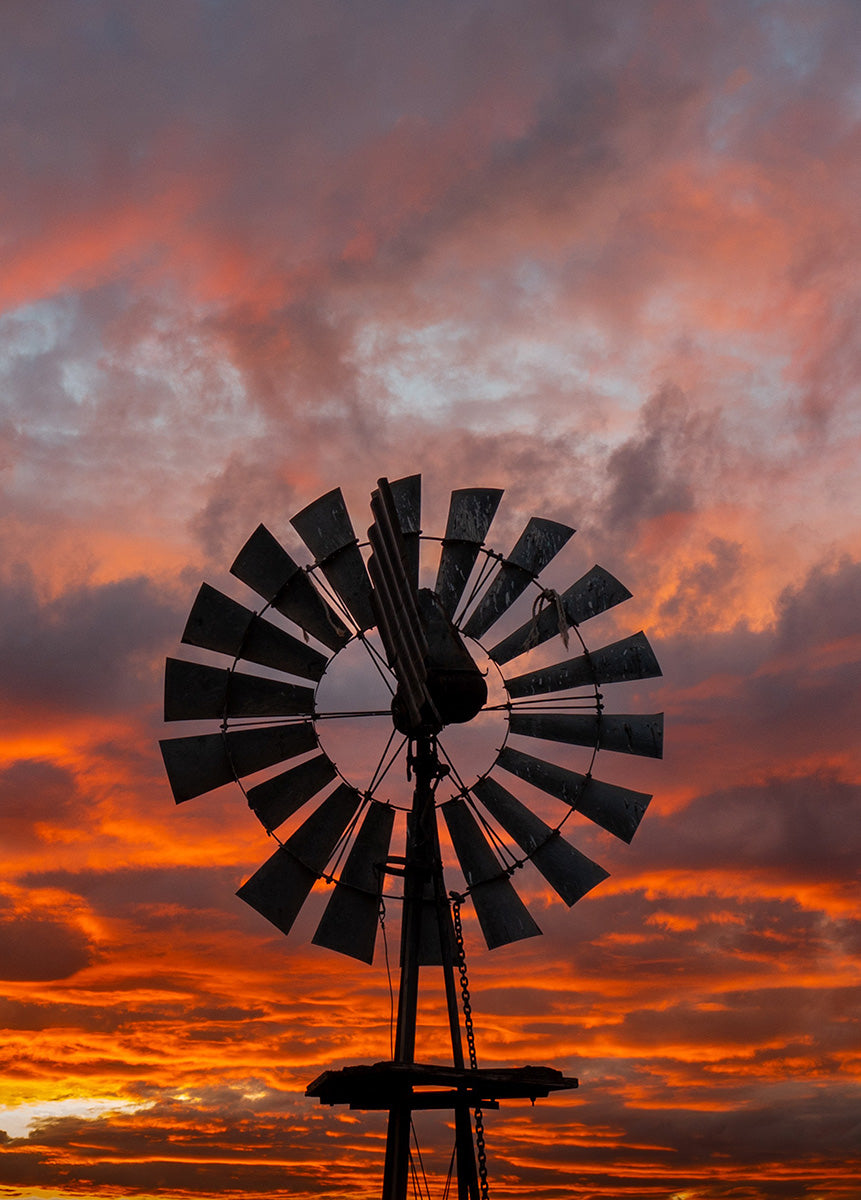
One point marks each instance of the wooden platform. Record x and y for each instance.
(422, 1085)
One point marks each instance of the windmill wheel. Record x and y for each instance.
(430, 640)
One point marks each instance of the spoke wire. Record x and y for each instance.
(450, 1173)
(360, 634)
(356, 712)
(274, 721)
(382, 915)
(380, 773)
(505, 851)
(455, 774)
(490, 558)
(575, 703)
(321, 582)
(340, 849)
(420, 1181)
(379, 662)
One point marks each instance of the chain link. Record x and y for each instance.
(470, 1038)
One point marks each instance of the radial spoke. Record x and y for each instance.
(265, 722)
(341, 848)
(326, 589)
(358, 712)
(509, 859)
(558, 702)
(379, 662)
(483, 575)
(454, 771)
(381, 772)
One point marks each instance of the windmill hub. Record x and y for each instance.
(355, 744)
(456, 687)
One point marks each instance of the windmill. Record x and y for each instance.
(430, 649)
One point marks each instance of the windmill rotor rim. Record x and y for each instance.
(588, 696)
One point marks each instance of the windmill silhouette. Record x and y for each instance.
(430, 655)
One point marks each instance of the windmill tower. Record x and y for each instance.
(432, 656)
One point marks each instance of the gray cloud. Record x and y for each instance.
(90, 648)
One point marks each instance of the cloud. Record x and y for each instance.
(36, 791)
(601, 256)
(89, 649)
(39, 948)
(797, 829)
(652, 475)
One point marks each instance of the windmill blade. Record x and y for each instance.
(470, 513)
(218, 623)
(594, 593)
(630, 658)
(266, 567)
(570, 873)
(407, 495)
(619, 810)
(282, 885)
(628, 733)
(276, 799)
(193, 692)
(202, 763)
(539, 543)
(325, 528)
(349, 922)
(502, 915)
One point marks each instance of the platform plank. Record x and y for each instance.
(423, 1085)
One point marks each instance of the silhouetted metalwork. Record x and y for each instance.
(267, 735)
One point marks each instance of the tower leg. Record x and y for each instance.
(417, 869)
(397, 1168)
(467, 1175)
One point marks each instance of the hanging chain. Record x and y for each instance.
(470, 1038)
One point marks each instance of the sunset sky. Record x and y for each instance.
(603, 255)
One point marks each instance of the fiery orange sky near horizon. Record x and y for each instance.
(603, 256)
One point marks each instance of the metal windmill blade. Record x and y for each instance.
(502, 915)
(619, 810)
(203, 762)
(282, 885)
(276, 799)
(570, 873)
(631, 733)
(537, 546)
(596, 592)
(264, 565)
(349, 922)
(218, 623)
(470, 514)
(326, 529)
(194, 692)
(628, 659)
